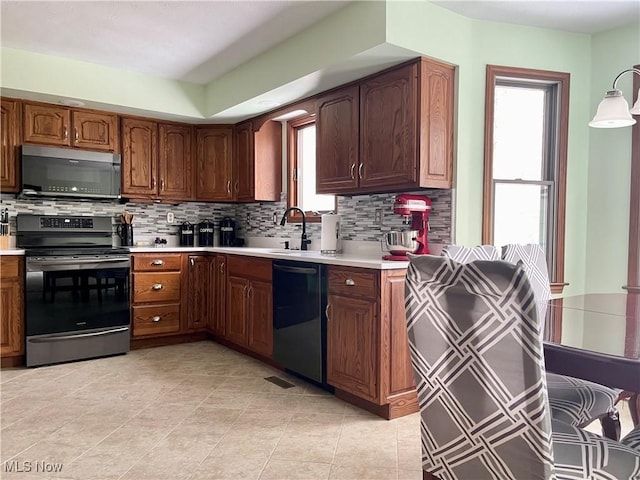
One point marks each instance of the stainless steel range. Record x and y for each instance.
(76, 291)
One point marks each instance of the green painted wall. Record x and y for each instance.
(472, 45)
(60, 77)
(609, 158)
(335, 39)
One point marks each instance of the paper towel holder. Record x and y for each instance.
(330, 239)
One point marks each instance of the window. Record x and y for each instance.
(526, 121)
(301, 150)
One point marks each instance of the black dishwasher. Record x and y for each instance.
(299, 319)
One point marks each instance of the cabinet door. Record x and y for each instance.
(351, 346)
(219, 290)
(139, 157)
(388, 123)
(46, 124)
(261, 318)
(267, 162)
(11, 307)
(337, 127)
(214, 160)
(174, 161)
(236, 324)
(96, 131)
(436, 124)
(244, 184)
(9, 162)
(198, 303)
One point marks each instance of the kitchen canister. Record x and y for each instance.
(330, 241)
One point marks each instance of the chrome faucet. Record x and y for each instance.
(303, 238)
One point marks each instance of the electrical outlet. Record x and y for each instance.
(170, 217)
(377, 218)
(275, 218)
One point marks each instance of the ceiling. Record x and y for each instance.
(199, 41)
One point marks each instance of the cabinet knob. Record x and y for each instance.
(349, 282)
(156, 286)
(192, 262)
(157, 262)
(156, 318)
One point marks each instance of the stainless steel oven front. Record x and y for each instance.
(76, 306)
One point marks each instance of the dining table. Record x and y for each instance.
(596, 337)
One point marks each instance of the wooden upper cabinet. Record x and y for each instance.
(388, 122)
(244, 184)
(391, 132)
(95, 131)
(174, 161)
(437, 93)
(214, 159)
(47, 124)
(10, 160)
(337, 134)
(139, 157)
(258, 162)
(53, 125)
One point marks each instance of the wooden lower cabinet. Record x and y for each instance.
(217, 319)
(367, 347)
(199, 291)
(156, 302)
(352, 355)
(249, 304)
(11, 307)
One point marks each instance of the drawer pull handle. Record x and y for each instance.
(222, 267)
(349, 282)
(76, 132)
(157, 262)
(157, 286)
(351, 171)
(192, 261)
(326, 312)
(156, 318)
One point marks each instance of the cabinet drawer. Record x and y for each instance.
(349, 281)
(156, 287)
(249, 267)
(156, 319)
(152, 262)
(9, 266)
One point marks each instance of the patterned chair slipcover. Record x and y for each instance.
(476, 350)
(632, 439)
(572, 400)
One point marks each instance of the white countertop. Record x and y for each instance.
(347, 259)
(12, 251)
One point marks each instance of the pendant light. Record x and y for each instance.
(613, 111)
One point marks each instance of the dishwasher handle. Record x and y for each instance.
(290, 269)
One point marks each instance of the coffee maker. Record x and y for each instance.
(415, 210)
(227, 232)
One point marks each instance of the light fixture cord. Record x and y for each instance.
(634, 70)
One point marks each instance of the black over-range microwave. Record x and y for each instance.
(69, 172)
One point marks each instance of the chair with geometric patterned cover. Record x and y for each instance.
(573, 400)
(632, 439)
(476, 350)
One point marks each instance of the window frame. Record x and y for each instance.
(559, 82)
(293, 126)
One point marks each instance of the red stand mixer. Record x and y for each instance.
(401, 242)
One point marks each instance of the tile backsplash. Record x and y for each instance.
(253, 220)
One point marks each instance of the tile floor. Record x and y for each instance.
(193, 411)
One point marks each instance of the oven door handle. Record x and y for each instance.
(79, 335)
(76, 262)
